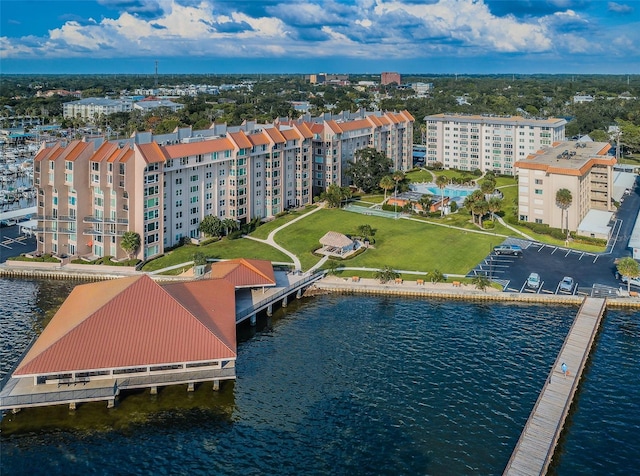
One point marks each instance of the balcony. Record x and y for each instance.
(97, 232)
(109, 221)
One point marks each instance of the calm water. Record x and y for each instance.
(344, 385)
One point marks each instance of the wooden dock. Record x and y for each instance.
(534, 450)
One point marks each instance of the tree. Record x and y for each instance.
(386, 274)
(130, 242)
(229, 225)
(481, 281)
(629, 135)
(369, 167)
(386, 183)
(365, 231)
(630, 268)
(495, 205)
(471, 201)
(425, 202)
(563, 200)
(211, 226)
(441, 183)
(437, 276)
(480, 208)
(488, 185)
(199, 259)
(334, 195)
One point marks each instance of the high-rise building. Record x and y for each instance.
(486, 141)
(161, 187)
(583, 168)
(388, 78)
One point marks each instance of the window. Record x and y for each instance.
(178, 181)
(538, 191)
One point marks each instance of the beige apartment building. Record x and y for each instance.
(486, 141)
(583, 168)
(161, 187)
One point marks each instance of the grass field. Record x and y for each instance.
(223, 249)
(402, 244)
(263, 230)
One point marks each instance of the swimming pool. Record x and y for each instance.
(452, 192)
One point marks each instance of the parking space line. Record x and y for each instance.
(554, 250)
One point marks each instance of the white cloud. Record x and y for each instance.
(365, 29)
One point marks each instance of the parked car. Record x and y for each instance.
(508, 250)
(626, 279)
(566, 285)
(533, 281)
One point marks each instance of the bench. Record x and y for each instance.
(398, 280)
(633, 294)
(457, 284)
(420, 281)
(355, 279)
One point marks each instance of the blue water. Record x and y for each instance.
(448, 191)
(350, 385)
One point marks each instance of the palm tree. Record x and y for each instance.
(365, 231)
(229, 225)
(441, 183)
(425, 202)
(481, 281)
(387, 273)
(630, 268)
(488, 185)
(130, 242)
(563, 200)
(495, 205)
(386, 183)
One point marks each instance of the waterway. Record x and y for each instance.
(344, 385)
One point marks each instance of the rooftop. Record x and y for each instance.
(569, 157)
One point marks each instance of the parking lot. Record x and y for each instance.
(552, 263)
(13, 243)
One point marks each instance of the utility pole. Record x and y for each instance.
(156, 77)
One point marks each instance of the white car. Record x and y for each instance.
(533, 281)
(626, 279)
(566, 285)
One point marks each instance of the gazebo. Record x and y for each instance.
(337, 244)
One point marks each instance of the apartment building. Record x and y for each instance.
(161, 187)
(583, 168)
(487, 142)
(389, 78)
(90, 108)
(336, 138)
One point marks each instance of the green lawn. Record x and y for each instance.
(263, 231)
(402, 244)
(223, 249)
(419, 176)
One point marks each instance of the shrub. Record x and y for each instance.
(488, 224)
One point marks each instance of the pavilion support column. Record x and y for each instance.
(153, 390)
(270, 310)
(299, 293)
(191, 386)
(72, 406)
(253, 320)
(285, 301)
(216, 385)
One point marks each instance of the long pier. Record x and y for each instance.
(534, 450)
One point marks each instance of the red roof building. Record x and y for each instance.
(135, 333)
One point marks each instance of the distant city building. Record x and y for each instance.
(89, 109)
(151, 104)
(301, 106)
(583, 167)
(486, 141)
(161, 187)
(324, 78)
(389, 78)
(422, 89)
(580, 98)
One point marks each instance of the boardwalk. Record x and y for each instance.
(537, 442)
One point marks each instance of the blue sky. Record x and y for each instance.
(333, 36)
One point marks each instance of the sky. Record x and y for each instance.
(311, 36)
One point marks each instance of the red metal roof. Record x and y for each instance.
(243, 272)
(135, 322)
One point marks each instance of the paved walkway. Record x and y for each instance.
(271, 241)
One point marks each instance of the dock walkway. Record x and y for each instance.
(538, 440)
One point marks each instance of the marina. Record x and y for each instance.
(17, 192)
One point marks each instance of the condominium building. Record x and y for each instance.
(583, 168)
(161, 187)
(487, 142)
(92, 108)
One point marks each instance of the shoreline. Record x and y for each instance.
(340, 285)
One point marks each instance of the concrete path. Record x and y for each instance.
(503, 223)
(271, 241)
